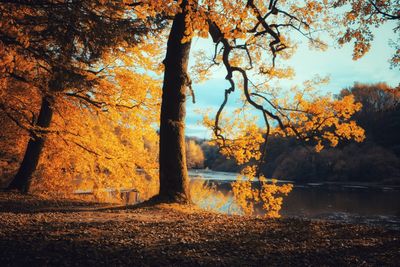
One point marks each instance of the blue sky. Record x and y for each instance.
(335, 62)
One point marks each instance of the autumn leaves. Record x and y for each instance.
(101, 61)
(86, 58)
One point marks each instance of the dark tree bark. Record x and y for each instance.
(174, 181)
(22, 179)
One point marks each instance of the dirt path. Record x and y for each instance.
(38, 232)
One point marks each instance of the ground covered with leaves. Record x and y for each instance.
(39, 232)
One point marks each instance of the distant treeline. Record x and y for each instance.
(377, 159)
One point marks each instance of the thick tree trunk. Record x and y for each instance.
(34, 149)
(174, 181)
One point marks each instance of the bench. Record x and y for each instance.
(129, 196)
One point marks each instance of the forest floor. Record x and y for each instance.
(39, 232)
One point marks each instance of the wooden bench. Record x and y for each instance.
(124, 194)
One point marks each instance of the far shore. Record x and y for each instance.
(227, 177)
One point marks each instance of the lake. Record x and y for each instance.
(346, 202)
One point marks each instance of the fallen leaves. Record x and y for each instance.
(34, 231)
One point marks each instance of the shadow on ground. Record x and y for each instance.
(73, 233)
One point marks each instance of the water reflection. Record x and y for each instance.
(340, 202)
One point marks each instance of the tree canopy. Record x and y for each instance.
(75, 59)
(92, 59)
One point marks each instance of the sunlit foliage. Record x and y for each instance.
(194, 155)
(321, 119)
(102, 133)
(112, 146)
(115, 147)
(85, 57)
(208, 197)
(301, 113)
(242, 136)
(73, 52)
(360, 17)
(250, 37)
(267, 194)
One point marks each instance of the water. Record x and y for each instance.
(356, 203)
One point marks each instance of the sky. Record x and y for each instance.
(335, 62)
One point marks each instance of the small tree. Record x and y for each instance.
(195, 155)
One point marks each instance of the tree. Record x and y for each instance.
(375, 98)
(249, 37)
(252, 38)
(174, 185)
(52, 48)
(194, 155)
(381, 109)
(188, 17)
(109, 148)
(97, 146)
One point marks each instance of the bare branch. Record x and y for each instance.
(385, 15)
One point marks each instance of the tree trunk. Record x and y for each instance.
(33, 151)
(174, 181)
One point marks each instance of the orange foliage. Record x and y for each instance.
(113, 138)
(359, 17)
(115, 145)
(207, 197)
(105, 107)
(303, 114)
(269, 194)
(194, 155)
(319, 118)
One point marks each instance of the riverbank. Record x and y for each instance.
(39, 232)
